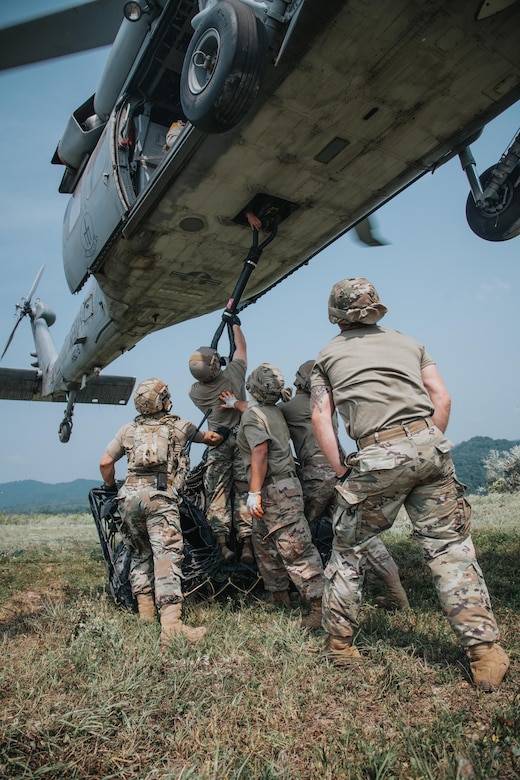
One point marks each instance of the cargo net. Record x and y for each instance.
(204, 571)
(205, 574)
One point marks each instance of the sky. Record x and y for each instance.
(450, 290)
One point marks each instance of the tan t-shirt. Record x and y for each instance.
(206, 395)
(375, 376)
(297, 414)
(264, 422)
(123, 441)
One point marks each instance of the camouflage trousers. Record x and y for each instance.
(283, 544)
(318, 483)
(416, 471)
(152, 531)
(225, 485)
(320, 498)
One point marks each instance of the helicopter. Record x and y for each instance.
(310, 117)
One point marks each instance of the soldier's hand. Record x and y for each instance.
(254, 222)
(286, 394)
(110, 490)
(223, 431)
(228, 400)
(254, 504)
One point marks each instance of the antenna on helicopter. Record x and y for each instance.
(23, 308)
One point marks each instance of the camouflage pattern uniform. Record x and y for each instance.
(402, 459)
(151, 520)
(317, 477)
(224, 468)
(281, 537)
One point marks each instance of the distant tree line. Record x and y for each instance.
(481, 461)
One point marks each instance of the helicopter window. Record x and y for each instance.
(87, 309)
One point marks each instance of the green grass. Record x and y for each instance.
(86, 694)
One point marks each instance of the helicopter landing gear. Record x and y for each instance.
(223, 67)
(65, 429)
(496, 218)
(493, 205)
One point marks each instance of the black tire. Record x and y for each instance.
(64, 432)
(235, 40)
(498, 222)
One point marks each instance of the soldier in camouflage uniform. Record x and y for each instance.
(281, 537)
(394, 403)
(225, 482)
(318, 480)
(149, 504)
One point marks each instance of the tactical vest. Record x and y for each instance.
(153, 446)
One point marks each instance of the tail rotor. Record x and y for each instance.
(23, 308)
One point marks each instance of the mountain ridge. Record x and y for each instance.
(29, 496)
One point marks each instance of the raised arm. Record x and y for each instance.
(240, 352)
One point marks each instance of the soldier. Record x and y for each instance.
(318, 480)
(394, 403)
(281, 537)
(149, 504)
(224, 474)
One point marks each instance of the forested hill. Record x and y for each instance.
(29, 496)
(469, 457)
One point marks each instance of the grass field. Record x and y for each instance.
(85, 694)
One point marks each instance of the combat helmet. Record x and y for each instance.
(355, 300)
(303, 376)
(205, 364)
(152, 396)
(265, 383)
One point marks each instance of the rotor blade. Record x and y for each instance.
(35, 284)
(366, 233)
(20, 318)
(83, 27)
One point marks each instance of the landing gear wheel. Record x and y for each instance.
(223, 67)
(497, 221)
(64, 432)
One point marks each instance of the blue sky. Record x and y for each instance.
(444, 286)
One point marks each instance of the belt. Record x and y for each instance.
(148, 479)
(404, 429)
(314, 459)
(278, 478)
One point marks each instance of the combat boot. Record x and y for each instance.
(224, 549)
(489, 663)
(247, 557)
(146, 607)
(395, 594)
(339, 650)
(279, 597)
(172, 625)
(313, 620)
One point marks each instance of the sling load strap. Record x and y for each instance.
(186, 449)
(250, 263)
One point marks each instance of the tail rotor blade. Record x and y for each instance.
(35, 284)
(24, 308)
(20, 318)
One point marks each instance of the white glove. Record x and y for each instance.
(254, 504)
(229, 401)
